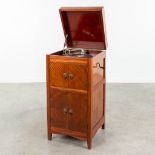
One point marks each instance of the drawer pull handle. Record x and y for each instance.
(65, 110)
(70, 111)
(65, 75)
(71, 76)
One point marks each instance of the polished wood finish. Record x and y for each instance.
(79, 80)
(79, 135)
(68, 75)
(59, 117)
(83, 96)
(84, 27)
(97, 105)
(48, 99)
(57, 69)
(77, 112)
(76, 85)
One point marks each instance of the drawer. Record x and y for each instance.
(68, 75)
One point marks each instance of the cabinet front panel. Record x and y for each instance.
(58, 74)
(78, 76)
(77, 117)
(58, 101)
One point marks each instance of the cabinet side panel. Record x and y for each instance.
(48, 99)
(98, 81)
(97, 104)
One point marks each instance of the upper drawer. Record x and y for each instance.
(68, 74)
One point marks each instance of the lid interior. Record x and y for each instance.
(83, 28)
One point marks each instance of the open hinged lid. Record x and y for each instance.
(84, 27)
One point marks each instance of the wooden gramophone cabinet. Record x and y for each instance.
(76, 83)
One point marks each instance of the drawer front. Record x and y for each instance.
(58, 74)
(78, 76)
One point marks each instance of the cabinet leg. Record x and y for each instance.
(49, 136)
(89, 143)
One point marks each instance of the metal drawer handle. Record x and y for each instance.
(65, 110)
(71, 76)
(65, 75)
(98, 64)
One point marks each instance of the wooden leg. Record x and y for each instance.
(89, 143)
(49, 136)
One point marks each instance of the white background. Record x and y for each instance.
(31, 28)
